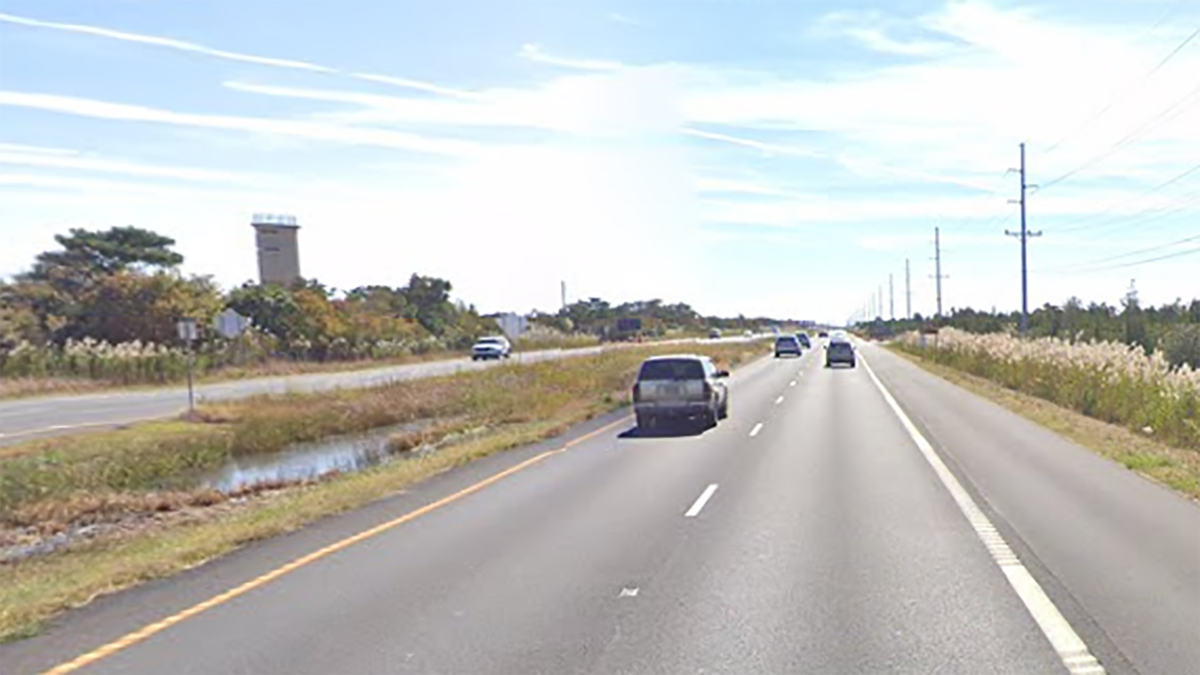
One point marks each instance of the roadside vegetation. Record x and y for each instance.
(1172, 329)
(130, 506)
(1177, 468)
(1112, 382)
(101, 310)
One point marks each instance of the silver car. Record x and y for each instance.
(680, 387)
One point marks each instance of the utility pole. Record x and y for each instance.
(891, 298)
(1024, 236)
(564, 294)
(879, 307)
(907, 291)
(937, 261)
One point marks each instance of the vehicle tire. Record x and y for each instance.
(646, 421)
(709, 419)
(723, 411)
(852, 364)
(474, 358)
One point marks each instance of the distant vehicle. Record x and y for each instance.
(804, 341)
(748, 334)
(680, 387)
(787, 344)
(823, 334)
(714, 334)
(491, 347)
(839, 351)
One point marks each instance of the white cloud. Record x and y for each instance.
(536, 54)
(191, 47)
(623, 163)
(417, 85)
(36, 150)
(133, 113)
(169, 43)
(72, 160)
(621, 18)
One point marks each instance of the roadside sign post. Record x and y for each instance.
(187, 333)
(231, 326)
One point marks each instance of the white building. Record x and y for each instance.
(278, 250)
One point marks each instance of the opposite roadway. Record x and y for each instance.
(811, 532)
(22, 419)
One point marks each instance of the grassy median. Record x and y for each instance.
(1175, 467)
(29, 387)
(134, 482)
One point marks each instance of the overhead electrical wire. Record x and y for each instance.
(1178, 254)
(1132, 87)
(1127, 138)
(1075, 267)
(1132, 200)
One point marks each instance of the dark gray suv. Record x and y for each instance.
(839, 351)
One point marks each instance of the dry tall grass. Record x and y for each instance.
(1109, 381)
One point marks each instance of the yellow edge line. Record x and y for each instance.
(159, 626)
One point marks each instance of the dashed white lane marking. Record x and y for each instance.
(779, 400)
(757, 428)
(629, 592)
(701, 501)
(1071, 649)
(792, 383)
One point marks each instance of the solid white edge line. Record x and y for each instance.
(701, 501)
(1071, 649)
(757, 428)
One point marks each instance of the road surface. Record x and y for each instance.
(817, 530)
(21, 419)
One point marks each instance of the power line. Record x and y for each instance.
(1126, 139)
(1129, 89)
(1024, 235)
(1137, 198)
(937, 257)
(1150, 249)
(1178, 254)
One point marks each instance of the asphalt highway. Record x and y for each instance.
(867, 520)
(21, 419)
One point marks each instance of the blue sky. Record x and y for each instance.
(774, 158)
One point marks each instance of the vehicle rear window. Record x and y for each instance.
(785, 340)
(842, 346)
(672, 369)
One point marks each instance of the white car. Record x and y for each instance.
(491, 347)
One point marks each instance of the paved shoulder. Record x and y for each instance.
(1119, 554)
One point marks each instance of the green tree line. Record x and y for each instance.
(115, 295)
(1172, 328)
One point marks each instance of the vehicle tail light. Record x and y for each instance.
(708, 390)
(636, 392)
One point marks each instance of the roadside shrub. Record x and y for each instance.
(1110, 381)
(1181, 345)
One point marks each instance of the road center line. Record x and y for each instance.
(779, 400)
(757, 428)
(792, 383)
(701, 501)
(1071, 648)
